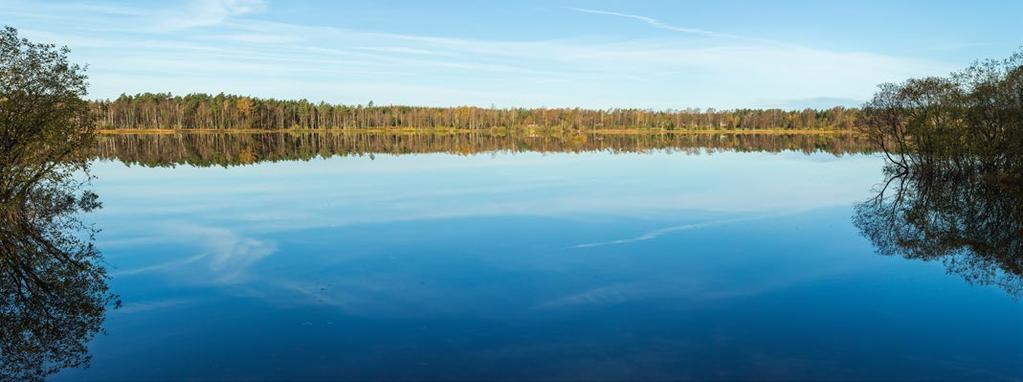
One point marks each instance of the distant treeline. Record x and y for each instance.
(203, 111)
(229, 149)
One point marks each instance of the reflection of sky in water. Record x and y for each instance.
(544, 266)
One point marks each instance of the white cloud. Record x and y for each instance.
(662, 25)
(228, 253)
(253, 38)
(651, 235)
(201, 13)
(131, 307)
(223, 256)
(224, 49)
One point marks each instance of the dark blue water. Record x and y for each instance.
(528, 266)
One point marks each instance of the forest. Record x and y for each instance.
(221, 111)
(231, 149)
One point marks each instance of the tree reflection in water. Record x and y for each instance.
(232, 149)
(971, 218)
(53, 290)
(53, 287)
(955, 158)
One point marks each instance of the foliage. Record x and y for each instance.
(203, 111)
(972, 116)
(955, 186)
(53, 291)
(46, 127)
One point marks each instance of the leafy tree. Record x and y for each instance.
(975, 115)
(955, 172)
(53, 290)
(46, 127)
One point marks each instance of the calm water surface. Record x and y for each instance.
(527, 265)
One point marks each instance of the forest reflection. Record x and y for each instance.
(228, 149)
(967, 214)
(53, 286)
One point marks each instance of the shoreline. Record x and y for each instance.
(500, 131)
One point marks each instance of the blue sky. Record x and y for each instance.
(598, 54)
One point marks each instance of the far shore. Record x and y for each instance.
(517, 131)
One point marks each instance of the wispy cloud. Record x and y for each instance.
(211, 12)
(599, 295)
(253, 38)
(673, 229)
(662, 25)
(131, 307)
(223, 255)
(229, 254)
(214, 46)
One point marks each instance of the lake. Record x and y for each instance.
(459, 258)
